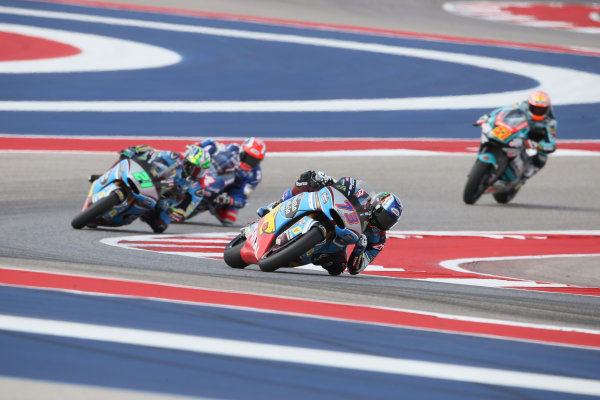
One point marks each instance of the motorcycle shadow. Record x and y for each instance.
(215, 224)
(549, 207)
(121, 230)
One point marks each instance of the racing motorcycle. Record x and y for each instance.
(297, 230)
(130, 189)
(502, 156)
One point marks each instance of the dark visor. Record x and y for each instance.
(250, 161)
(384, 220)
(536, 110)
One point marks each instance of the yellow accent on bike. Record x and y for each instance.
(501, 132)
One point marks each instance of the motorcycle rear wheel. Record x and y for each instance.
(232, 255)
(100, 207)
(272, 261)
(477, 181)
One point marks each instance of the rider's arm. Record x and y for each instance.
(209, 145)
(133, 151)
(237, 195)
(544, 135)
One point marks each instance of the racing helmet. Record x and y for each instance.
(251, 153)
(539, 105)
(196, 162)
(387, 209)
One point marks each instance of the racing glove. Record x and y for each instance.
(322, 179)
(314, 179)
(224, 200)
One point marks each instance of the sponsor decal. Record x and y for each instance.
(501, 132)
(325, 197)
(268, 224)
(292, 206)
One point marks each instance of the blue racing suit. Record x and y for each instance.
(227, 186)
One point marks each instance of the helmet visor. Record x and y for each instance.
(538, 110)
(248, 161)
(384, 220)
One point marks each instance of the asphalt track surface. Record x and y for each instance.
(42, 192)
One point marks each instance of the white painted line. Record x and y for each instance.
(497, 283)
(454, 265)
(567, 86)
(99, 53)
(307, 356)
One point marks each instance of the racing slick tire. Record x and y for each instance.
(286, 255)
(232, 255)
(477, 181)
(100, 207)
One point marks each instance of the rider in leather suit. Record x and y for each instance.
(385, 211)
(542, 129)
(234, 175)
(179, 174)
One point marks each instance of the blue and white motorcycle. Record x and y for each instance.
(297, 230)
(130, 189)
(502, 156)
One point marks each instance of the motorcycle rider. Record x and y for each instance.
(542, 129)
(234, 174)
(385, 211)
(179, 176)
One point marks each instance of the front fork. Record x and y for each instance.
(495, 157)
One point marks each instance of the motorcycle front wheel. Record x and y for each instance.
(477, 181)
(290, 253)
(100, 207)
(232, 256)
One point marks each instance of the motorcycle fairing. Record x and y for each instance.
(296, 216)
(143, 193)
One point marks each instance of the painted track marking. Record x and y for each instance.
(427, 256)
(280, 147)
(313, 357)
(582, 18)
(337, 311)
(569, 86)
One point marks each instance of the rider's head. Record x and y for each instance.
(196, 162)
(538, 105)
(387, 209)
(252, 152)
